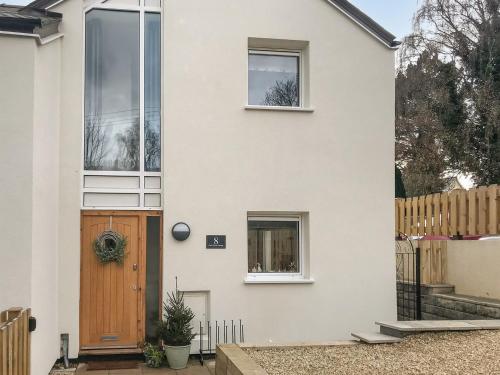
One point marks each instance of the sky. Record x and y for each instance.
(394, 15)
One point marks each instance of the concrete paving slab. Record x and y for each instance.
(429, 325)
(485, 324)
(376, 338)
(157, 371)
(440, 325)
(397, 325)
(194, 371)
(194, 368)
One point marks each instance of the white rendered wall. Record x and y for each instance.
(16, 165)
(70, 170)
(44, 288)
(29, 147)
(473, 267)
(222, 161)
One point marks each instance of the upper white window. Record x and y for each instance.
(274, 78)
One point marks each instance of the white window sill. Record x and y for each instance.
(277, 280)
(278, 108)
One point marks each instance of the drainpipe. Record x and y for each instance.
(65, 348)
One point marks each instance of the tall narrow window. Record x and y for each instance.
(152, 93)
(112, 126)
(122, 155)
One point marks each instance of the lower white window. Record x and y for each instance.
(275, 246)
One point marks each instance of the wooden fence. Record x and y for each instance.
(464, 212)
(14, 342)
(433, 261)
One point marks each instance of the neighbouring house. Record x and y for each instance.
(453, 183)
(255, 125)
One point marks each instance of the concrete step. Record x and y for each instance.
(376, 338)
(403, 329)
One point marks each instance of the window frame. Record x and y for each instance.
(277, 52)
(142, 10)
(280, 276)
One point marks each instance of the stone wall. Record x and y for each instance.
(457, 307)
(439, 302)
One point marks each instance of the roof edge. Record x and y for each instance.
(44, 4)
(26, 20)
(40, 11)
(39, 40)
(344, 6)
(366, 22)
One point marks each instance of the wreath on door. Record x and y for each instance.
(110, 246)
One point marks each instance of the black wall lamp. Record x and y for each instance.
(181, 231)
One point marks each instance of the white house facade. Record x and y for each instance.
(265, 128)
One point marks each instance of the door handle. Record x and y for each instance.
(134, 267)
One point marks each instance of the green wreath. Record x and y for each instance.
(110, 246)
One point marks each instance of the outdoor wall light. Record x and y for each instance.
(181, 231)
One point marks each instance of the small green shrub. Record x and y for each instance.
(175, 328)
(154, 355)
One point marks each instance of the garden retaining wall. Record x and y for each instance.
(232, 360)
(439, 302)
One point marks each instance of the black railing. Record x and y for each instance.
(408, 286)
(220, 336)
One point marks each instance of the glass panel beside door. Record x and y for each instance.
(153, 274)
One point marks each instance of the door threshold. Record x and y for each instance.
(109, 351)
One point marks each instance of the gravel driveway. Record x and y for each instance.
(435, 353)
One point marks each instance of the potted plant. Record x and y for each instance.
(175, 330)
(153, 355)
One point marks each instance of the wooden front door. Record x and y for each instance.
(111, 298)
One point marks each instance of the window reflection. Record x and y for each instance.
(112, 132)
(152, 93)
(273, 80)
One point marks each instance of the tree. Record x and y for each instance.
(466, 34)
(128, 141)
(427, 105)
(95, 140)
(152, 146)
(283, 93)
(399, 186)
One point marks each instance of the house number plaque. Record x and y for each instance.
(216, 241)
